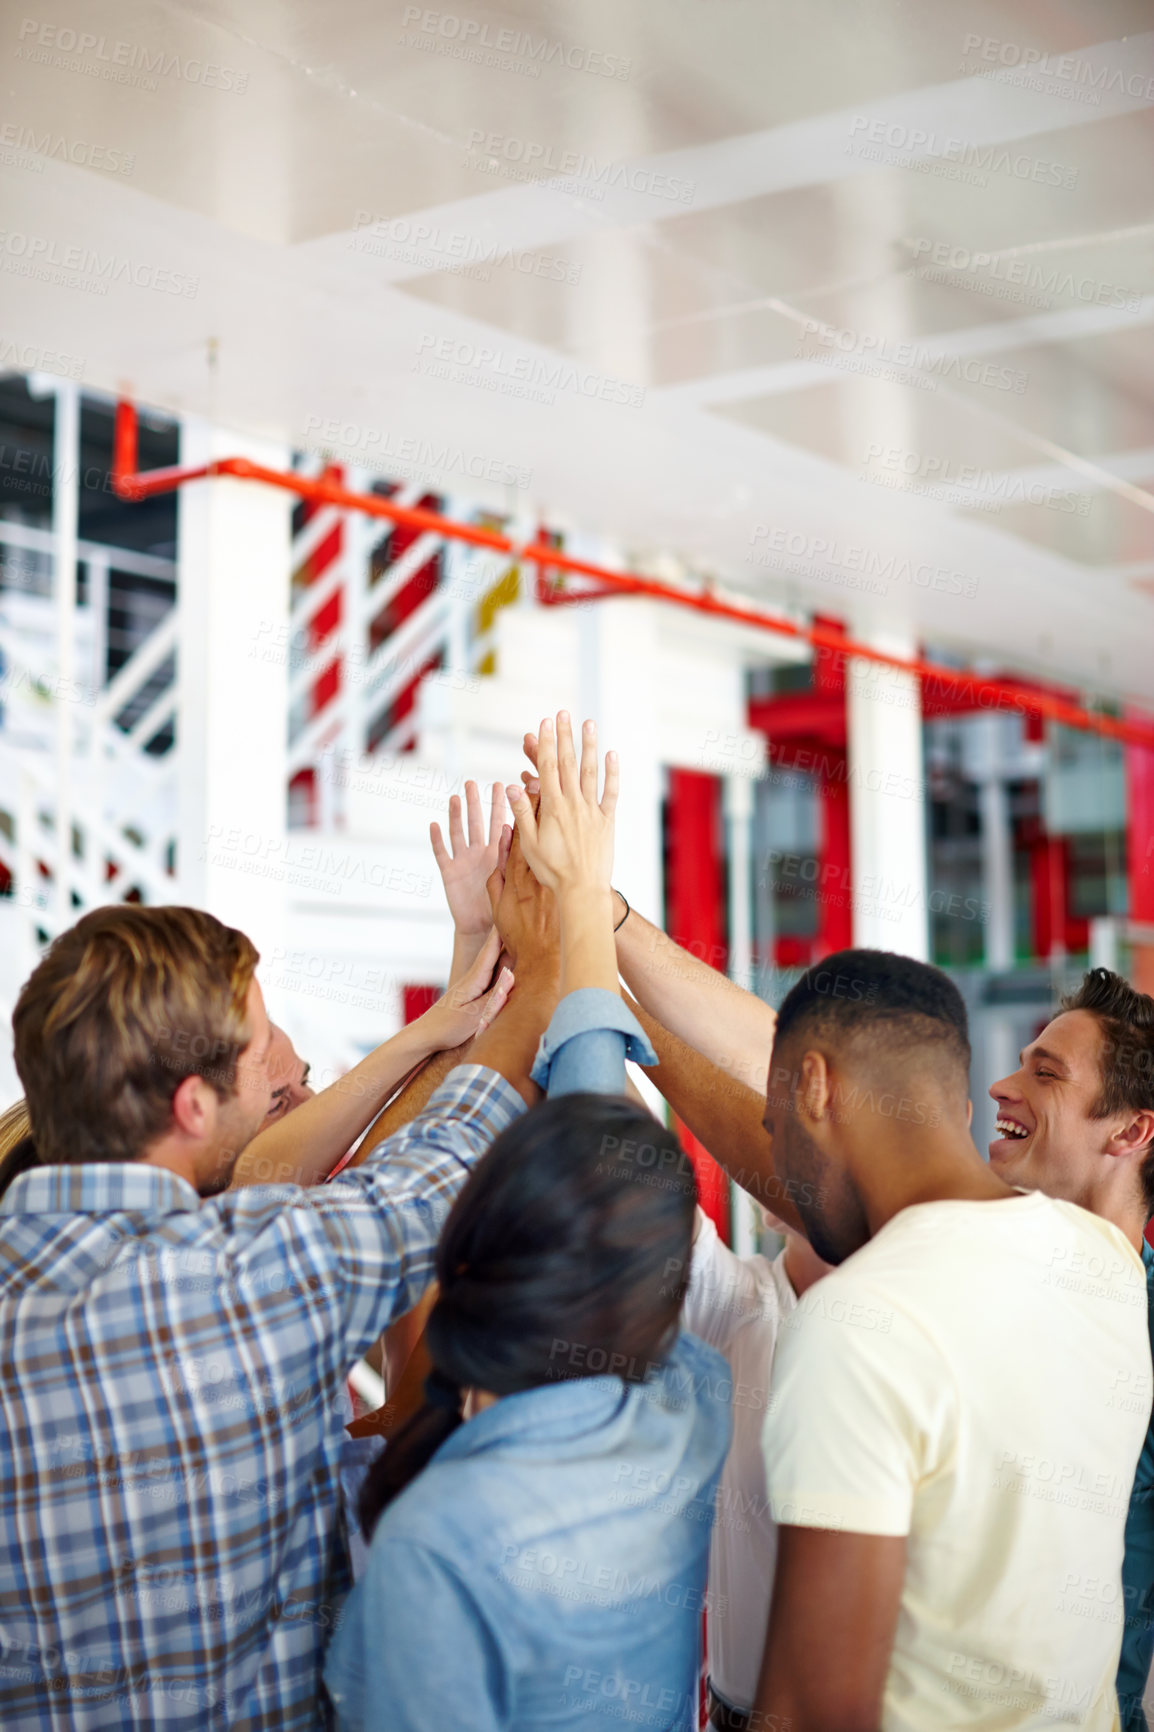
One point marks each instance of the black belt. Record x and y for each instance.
(728, 1719)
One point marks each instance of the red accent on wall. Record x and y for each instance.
(1140, 835)
(695, 891)
(322, 555)
(695, 917)
(1053, 924)
(835, 905)
(416, 1000)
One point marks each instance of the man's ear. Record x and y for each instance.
(1134, 1136)
(969, 1114)
(193, 1107)
(814, 1087)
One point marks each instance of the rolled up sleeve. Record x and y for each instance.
(586, 1044)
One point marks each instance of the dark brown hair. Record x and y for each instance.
(566, 1255)
(121, 1008)
(1126, 1020)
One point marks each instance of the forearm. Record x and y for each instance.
(414, 1097)
(588, 954)
(836, 1599)
(467, 946)
(303, 1147)
(722, 1021)
(406, 1365)
(722, 1113)
(509, 1045)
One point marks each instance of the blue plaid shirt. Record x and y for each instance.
(171, 1377)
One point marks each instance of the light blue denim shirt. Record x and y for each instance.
(548, 1568)
(585, 1046)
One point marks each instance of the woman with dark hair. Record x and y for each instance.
(540, 1528)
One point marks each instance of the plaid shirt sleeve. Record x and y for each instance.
(362, 1248)
(171, 1411)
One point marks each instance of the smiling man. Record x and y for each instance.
(948, 1457)
(1077, 1121)
(288, 1074)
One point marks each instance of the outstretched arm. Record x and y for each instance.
(304, 1146)
(465, 867)
(569, 845)
(721, 1020)
(724, 1114)
(730, 1026)
(412, 1098)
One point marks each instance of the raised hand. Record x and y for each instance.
(568, 843)
(469, 1006)
(465, 869)
(525, 915)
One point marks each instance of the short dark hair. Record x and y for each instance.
(1125, 1018)
(905, 1003)
(566, 1255)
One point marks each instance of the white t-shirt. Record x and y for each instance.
(737, 1304)
(968, 1379)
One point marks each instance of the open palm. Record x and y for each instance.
(466, 863)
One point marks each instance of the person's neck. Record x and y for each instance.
(922, 1166)
(1116, 1198)
(802, 1264)
(173, 1157)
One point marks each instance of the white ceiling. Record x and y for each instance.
(684, 266)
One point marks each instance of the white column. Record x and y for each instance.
(997, 873)
(621, 690)
(738, 802)
(65, 505)
(234, 542)
(887, 804)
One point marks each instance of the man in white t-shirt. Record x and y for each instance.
(738, 1305)
(947, 1448)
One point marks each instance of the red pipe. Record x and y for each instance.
(130, 485)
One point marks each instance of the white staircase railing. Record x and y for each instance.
(446, 629)
(123, 789)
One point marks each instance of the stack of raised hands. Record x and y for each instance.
(546, 888)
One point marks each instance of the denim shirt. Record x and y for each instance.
(1138, 1564)
(548, 1567)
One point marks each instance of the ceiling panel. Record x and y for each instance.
(800, 238)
